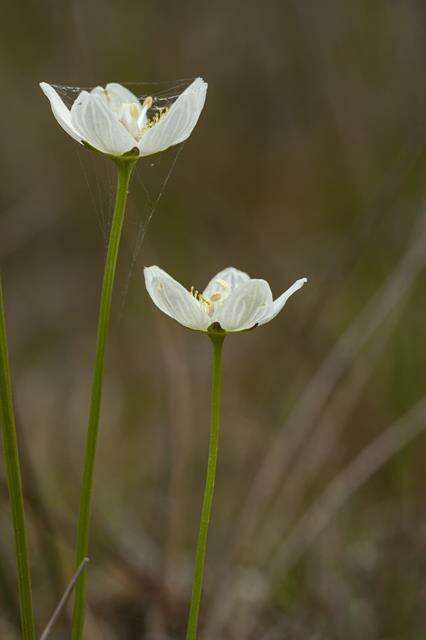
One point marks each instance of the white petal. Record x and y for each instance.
(244, 306)
(121, 93)
(279, 303)
(174, 300)
(114, 95)
(99, 126)
(232, 276)
(99, 91)
(60, 110)
(177, 125)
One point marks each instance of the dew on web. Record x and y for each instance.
(152, 196)
(100, 180)
(150, 179)
(163, 93)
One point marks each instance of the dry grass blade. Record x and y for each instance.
(356, 474)
(340, 490)
(63, 601)
(290, 438)
(286, 446)
(324, 440)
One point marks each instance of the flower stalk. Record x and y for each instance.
(217, 338)
(11, 456)
(125, 167)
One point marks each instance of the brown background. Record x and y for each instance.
(309, 159)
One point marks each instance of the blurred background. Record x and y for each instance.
(309, 159)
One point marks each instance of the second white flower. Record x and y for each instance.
(231, 299)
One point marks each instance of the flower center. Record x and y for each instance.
(205, 302)
(218, 296)
(134, 116)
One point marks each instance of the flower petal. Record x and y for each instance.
(177, 125)
(244, 306)
(231, 276)
(279, 303)
(174, 300)
(60, 110)
(121, 93)
(99, 126)
(114, 95)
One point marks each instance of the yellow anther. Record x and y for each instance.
(205, 301)
(134, 110)
(148, 102)
(216, 296)
(161, 112)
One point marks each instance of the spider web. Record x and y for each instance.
(163, 93)
(150, 177)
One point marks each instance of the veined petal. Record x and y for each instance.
(177, 125)
(232, 276)
(60, 110)
(244, 306)
(174, 300)
(99, 126)
(115, 95)
(121, 93)
(279, 303)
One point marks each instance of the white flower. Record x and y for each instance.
(232, 300)
(113, 121)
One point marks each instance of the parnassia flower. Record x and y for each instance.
(232, 301)
(115, 122)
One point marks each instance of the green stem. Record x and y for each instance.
(200, 554)
(125, 167)
(11, 456)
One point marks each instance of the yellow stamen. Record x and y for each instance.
(205, 301)
(161, 112)
(147, 103)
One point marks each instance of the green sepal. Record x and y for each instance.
(130, 156)
(89, 146)
(215, 331)
(250, 329)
